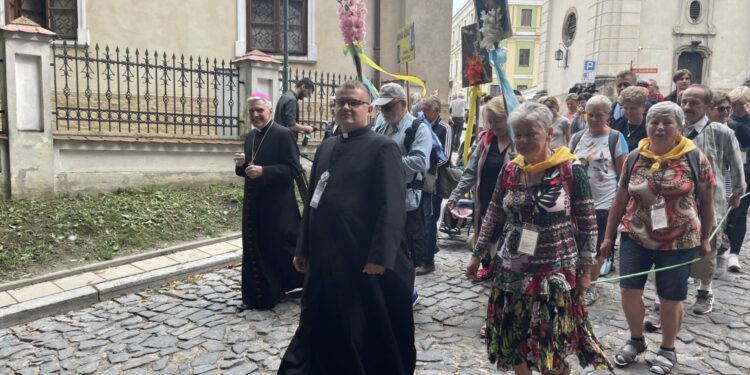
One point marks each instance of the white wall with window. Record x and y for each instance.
(260, 25)
(67, 18)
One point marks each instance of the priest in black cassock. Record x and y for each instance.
(356, 314)
(270, 215)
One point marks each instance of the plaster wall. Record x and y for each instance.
(102, 166)
(194, 27)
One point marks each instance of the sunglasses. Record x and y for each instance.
(389, 107)
(353, 103)
(724, 108)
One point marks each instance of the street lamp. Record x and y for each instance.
(562, 55)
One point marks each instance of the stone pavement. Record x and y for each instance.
(193, 326)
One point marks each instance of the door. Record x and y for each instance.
(692, 61)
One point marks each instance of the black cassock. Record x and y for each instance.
(353, 323)
(270, 217)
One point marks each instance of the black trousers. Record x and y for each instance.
(458, 127)
(416, 234)
(737, 225)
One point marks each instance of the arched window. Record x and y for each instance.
(569, 28)
(694, 12)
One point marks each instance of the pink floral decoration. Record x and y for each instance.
(352, 14)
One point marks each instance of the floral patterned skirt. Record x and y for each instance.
(541, 330)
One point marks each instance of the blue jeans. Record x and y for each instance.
(671, 284)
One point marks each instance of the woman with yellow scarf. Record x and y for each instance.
(542, 212)
(663, 182)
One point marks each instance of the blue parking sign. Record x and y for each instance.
(589, 71)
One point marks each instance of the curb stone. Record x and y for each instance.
(109, 289)
(73, 299)
(117, 262)
(41, 307)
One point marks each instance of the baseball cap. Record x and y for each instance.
(389, 92)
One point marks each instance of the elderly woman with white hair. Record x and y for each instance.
(602, 151)
(536, 316)
(663, 183)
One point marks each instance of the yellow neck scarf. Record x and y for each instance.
(682, 147)
(559, 156)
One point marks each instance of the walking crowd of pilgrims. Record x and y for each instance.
(551, 195)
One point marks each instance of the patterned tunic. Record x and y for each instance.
(549, 206)
(675, 184)
(535, 315)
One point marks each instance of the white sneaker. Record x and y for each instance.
(733, 263)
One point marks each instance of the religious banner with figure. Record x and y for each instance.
(494, 22)
(476, 68)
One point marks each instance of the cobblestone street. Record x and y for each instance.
(194, 327)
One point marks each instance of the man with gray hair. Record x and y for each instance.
(270, 216)
(415, 142)
(431, 110)
(720, 145)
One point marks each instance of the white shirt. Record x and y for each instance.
(698, 126)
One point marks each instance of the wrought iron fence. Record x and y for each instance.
(315, 110)
(129, 92)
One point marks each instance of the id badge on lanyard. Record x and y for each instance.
(319, 189)
(659, 214)
(529, 239)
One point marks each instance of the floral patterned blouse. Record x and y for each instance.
(559, 205)
(675, 184)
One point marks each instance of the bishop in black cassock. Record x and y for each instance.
(356, 314)
(270, 215)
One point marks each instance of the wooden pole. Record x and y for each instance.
(408, 96)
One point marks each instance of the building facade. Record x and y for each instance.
(523, 46)
(227, 29)
(655, 38)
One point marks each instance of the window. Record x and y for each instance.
(524, 55)
(526, 17)
(59, 16)
(569, 28)
(522, 87)
(265, 26)
(695, 11)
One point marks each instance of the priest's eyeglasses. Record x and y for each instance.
(353, 103)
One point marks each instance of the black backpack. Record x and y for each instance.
(411, 133)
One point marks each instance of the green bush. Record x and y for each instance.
(37, 236)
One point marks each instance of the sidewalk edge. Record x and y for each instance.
(86, 296)
(116, 262)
